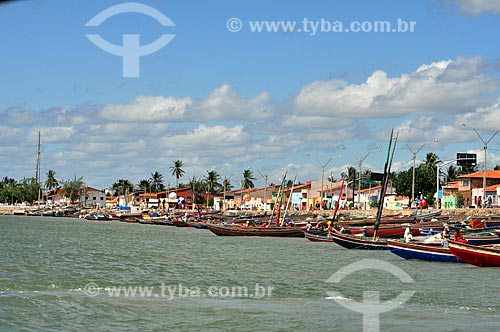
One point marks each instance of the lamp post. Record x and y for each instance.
(360, 164)
(414, 153)
(485, 147)
(322, 173)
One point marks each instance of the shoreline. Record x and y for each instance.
(453, 213)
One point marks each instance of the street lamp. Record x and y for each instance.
(485, 146)
(322, 172)
(360, 163)
(414, 161)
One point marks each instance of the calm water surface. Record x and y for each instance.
(64, 275)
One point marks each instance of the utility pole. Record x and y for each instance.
(485, 147)
(322, 174)
(360, 164)
(414, 153)
(38, 162)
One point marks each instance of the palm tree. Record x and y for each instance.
(212, 182)
(226, 185)
(431, 160)
(197, 187)
(51, 181)
(178, 172)
(452, 173)
(248, 178)
(157, 182)
(145, 185)
(122, 187)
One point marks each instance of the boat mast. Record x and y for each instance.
(289, 198)
(385, 180)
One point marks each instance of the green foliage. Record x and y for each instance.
(157, 182)
(72, 188)
(248, 178)
(51, 181)
(211, 182)
(12, 191)
(177, 171)
(122, 187)
(425, 182)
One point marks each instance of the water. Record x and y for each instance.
(46, 263)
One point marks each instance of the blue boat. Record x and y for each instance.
(425, 252)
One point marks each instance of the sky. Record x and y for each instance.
(222, 95)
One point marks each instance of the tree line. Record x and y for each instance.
(27, 189)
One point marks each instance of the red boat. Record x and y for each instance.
(476, 255)
(492, 221)
(235, 230)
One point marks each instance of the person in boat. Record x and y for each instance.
(407, 236)
(444, 243)
(457, 236)
(365, 231)
(308, 226)
(446, 233)
(329, 224)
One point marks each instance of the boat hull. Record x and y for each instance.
(422, 252)
(317, 237)
(353, 242)
(223, 230)
(475, 255)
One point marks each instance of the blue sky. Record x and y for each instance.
(226, 100)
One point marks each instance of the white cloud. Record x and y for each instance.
(225, 103)
(147, 108)
(221, 104)
(230, 130)
(445, 86)
(478, 7)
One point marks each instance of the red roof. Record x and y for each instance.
(490, 174)
(492, 187)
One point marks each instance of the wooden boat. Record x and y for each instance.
(421, 251)
(476, 255)
(236, 230)
(323, 237)
(181, 223)
(358, 242)
(484, 222)
(383, 231)
(420, 218)
(482, 238)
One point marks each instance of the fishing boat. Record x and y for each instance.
(383, 231)
(236, 230)
(421, 251)
(322, 237)
(358, 242)
(484, 222)
(476, 255)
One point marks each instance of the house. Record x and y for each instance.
(91, 197)
(471, 187)
(450, 198)
(55, 197)
(177, 198)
